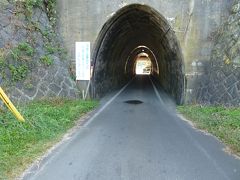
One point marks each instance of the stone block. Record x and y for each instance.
(4, 19)
(226, 99)
(39, 94)
(49, 77)
(68, 82)
(238, 86)
(236, 60)
(220, 90)
(43, 87)
(20, 35)
(44, 22)
(51, 94)
(58, 79)
(63, 93)
(53, 87)
(30, 92)
(36, 15)
(72, 93)
(234, 92)
(230, 81)
(15, 93)
(41, 72)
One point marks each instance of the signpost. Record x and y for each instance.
(83, 63)
(10, 105)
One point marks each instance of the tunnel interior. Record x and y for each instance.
(132, 30)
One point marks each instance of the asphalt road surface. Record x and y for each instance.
(136, 135)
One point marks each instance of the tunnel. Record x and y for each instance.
(130, 31)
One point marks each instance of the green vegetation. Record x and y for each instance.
(27, 48)
(51, 11)
(52, 48)
(46, 122)
(29, 5)
(222, 122)
(23, 52)
(17, 61)
(18, 72)
(46, 60)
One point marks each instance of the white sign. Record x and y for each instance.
(83, 63)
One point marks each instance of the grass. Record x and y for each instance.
(222, 122)
(46, 122)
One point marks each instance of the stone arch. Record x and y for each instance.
(137, 27)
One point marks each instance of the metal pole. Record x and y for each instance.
(89, 82)
(10, 106)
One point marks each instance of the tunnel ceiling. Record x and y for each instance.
(115, 49)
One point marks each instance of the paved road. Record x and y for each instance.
(144, 141)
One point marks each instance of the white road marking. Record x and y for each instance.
(196, 143)
(42, 162)
(106, 105)
(156, 92)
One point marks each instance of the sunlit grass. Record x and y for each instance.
(222, 122)
(46, 122)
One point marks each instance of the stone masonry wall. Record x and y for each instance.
(220, 81)
(33, 64)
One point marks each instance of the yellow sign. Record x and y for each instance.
(10, 105)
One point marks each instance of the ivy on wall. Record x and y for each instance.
(27, 7)
(16, 61)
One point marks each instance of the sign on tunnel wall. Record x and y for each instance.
(82, 60)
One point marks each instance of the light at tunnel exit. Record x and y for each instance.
(143, 64)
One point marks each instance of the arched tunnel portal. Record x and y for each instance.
(130, 31)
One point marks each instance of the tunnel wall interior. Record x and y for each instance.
(133, 29)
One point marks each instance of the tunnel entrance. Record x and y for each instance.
(134, 31)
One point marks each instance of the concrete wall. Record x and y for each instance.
(194, 22)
